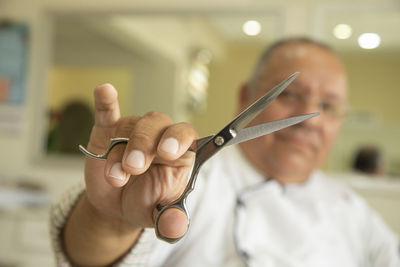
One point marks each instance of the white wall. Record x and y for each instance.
(21, 155)
(169, 62)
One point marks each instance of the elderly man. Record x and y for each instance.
(263, 203)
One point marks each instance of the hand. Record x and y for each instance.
(151, 169)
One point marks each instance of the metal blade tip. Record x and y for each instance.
(309, 115)
(314, 114)
(293, 76)
(282, 86)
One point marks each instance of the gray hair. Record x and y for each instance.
(266, 55)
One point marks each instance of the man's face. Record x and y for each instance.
(294, 152)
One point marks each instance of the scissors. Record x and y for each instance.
(233, 133)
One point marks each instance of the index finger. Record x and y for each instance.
(107, 111)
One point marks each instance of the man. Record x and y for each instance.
(260, 204)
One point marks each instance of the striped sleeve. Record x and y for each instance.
(138, 255)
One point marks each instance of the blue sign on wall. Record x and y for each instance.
(13, 62)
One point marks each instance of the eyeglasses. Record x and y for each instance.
(328, 108)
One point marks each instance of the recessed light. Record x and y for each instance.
(369, 40)
(342, 31)
(251, 27)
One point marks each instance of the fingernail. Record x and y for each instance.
(116, 172)
(135, 159)
(170, 145)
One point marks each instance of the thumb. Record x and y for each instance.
(173, 223)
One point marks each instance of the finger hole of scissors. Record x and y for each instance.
(171, 223)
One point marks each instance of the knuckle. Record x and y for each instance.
(153, 113)
(144, 125)
(126, 125)
(142, 139)
(153, 124)
(157, 115)
(184, 127)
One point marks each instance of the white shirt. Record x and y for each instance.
(239, 217)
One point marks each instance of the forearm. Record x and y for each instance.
(91, 239)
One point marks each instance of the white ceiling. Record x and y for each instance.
(230, 27)
(314, 18)
(382, 18)
(385, 23)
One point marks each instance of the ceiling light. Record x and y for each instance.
(342, 31)
(369, 40)
(251, 27)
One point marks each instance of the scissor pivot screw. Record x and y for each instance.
(219, 140)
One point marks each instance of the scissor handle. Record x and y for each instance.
(113, 142)
(180, 204)
(204, 149)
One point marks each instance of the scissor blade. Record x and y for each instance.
(268, 127)
(252, 111)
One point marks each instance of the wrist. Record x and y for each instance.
(93, 238)
(116, 226)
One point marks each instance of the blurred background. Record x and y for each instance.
(185, 58)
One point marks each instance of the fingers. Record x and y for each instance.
(143, 142)
(176, 140)
(117, 177)
(106, 106)
(153, 139)
(114, 173)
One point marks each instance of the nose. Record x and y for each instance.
(310, 106)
